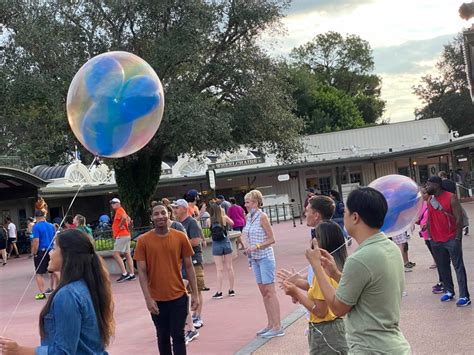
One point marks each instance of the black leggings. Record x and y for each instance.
(170, 322)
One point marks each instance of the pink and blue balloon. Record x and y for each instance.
(404, 202)
(115, 104)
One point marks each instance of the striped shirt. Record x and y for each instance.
(255, 233)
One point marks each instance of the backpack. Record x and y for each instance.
(218, 232)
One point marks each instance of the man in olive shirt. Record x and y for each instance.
(372, 281)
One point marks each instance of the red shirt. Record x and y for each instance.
(116, 231)
(442, 222)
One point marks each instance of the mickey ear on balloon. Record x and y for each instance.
(115, 104)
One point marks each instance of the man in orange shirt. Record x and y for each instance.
(160, 254)
(121, 234)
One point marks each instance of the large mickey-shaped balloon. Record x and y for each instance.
(115, 104)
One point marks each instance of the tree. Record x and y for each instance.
(447, 94)
(221, 89)
(323, 107)
(345, 64)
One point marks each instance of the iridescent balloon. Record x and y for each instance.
(115, 104)
(404, 202)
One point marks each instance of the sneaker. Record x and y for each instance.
(463, 302)
(466, 230)
(40, 296)
(263, 331)
(433, 267)
(123, 278)
(205, 288)
(191, 335)
(410, 264)
(438, 288)
(273, 333)
(131, 278)
(48, 291)
(217, 296)
(231, 293)
(408, 269)
(198, 323)
(448, 296)
(4, 263)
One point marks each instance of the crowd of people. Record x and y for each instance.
(353, 302)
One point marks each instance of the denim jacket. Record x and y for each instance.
(71, 325)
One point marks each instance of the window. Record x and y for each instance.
(424, 173)
(355, 178)
(325, 185)
(403, 171)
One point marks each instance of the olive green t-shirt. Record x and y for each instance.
(373, 281)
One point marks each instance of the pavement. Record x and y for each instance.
(430, 326)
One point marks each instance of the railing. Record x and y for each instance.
(463, 191)
(105, 241)
(284, 212)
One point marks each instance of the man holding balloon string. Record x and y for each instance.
(372, 281)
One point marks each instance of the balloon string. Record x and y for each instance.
(44, 255)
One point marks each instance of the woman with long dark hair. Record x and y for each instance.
(221, 248)
(326, 331)
(78, 317)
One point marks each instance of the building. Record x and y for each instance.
(336, 160)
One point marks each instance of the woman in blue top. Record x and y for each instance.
(78, 317)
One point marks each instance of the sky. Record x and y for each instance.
(406, 36)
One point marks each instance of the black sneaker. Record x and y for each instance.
(48, 291)
(217, 296)
(123, 278)
(231, 293)
(131, 277)
(205, 288)
(191, 335)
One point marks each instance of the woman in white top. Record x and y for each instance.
(258, 234)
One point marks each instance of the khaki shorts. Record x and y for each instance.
(199, 271)
(122, 245)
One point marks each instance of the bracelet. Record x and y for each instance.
(258, 245)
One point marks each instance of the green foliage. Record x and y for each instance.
(221, 89)
(447, 95)
(345, 64)
(323, 107)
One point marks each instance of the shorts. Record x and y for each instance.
(41, 261)
(400, 239)
(222, 247)
(333, 334)
(199, 271)
(264, 270)
(11, 240)
(122, 244)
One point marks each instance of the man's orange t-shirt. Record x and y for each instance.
(163, 257)
(116, 231)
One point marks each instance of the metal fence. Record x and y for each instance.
(104, 239)
(284, 212)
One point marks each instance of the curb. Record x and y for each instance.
(259, 342)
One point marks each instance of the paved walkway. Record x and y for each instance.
(230, 323)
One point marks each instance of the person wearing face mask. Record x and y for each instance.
(259, 236)
(445, 225)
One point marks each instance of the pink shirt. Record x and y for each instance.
(423, 219)
(237, 215)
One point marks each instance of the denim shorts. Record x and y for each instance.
(221, 247)
(264, 270)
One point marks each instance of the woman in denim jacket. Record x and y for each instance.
(78, 317)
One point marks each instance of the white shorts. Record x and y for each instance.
(122, 244)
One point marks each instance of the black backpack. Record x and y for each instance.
(218, 232)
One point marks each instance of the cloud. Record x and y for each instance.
(327, 6)
(410, 57)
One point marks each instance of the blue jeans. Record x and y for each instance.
(445, 252)
(264, 270)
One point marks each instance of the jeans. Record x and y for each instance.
(428, 244)
(170, 322)
(444, 253)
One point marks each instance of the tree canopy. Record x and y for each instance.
(346, 64)
(447, 94)
(222, 90)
